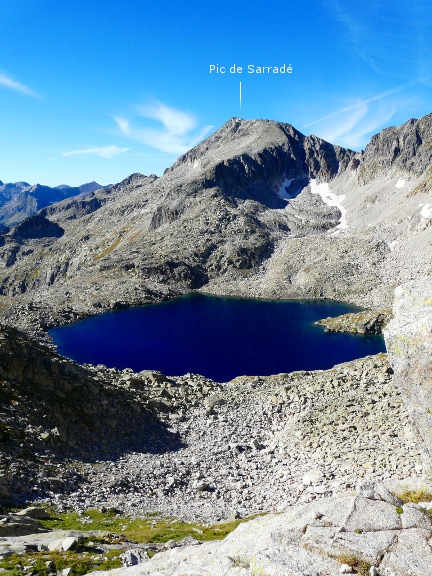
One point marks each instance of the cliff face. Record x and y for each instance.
(401, 150)
(409, 344)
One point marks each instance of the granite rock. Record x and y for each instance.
(409, 343)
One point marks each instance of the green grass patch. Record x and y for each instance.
(82, 561)
(415, 496)
(357, 564)
(142, 530)
(108, 250)
(114, 528)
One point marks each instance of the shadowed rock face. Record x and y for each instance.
(37, 227)
(409, 343)
(56, 408)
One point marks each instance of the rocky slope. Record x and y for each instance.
(257, 209)
(194, 448)
(54, 412)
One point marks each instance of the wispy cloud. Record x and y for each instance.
(7, 82)
(350, 125)
(178, 131)
(375, 34)
(102, 151)
(362, 103)
(358, 32)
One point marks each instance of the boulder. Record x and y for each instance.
(134, 556)
(35, 513)
(14, 525)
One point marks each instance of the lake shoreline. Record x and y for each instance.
(218, 337)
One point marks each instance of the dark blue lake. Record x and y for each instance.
(218, 337)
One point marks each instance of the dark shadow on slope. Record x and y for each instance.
(53, 406)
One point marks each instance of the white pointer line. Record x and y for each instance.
(240, 95)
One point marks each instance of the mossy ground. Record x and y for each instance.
(142, 530)
(360, 567)
(114, 528)
(82, 561)
(416, 496)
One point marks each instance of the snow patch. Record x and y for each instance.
(426, 211)
(330, 198)
(282, 190)
(400, 183)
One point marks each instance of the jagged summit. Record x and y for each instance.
(404, 149)
(253, 154)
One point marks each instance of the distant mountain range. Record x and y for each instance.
(19, 200)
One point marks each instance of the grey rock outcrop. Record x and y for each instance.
(18, 525)
(366, 322)
(41, 540)
(409, 344)
(315, 539)
(134, 556)
(35, 513)
(36, 227)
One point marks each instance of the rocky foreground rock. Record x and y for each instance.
(368, 533)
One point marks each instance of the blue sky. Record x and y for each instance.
(96, 90)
